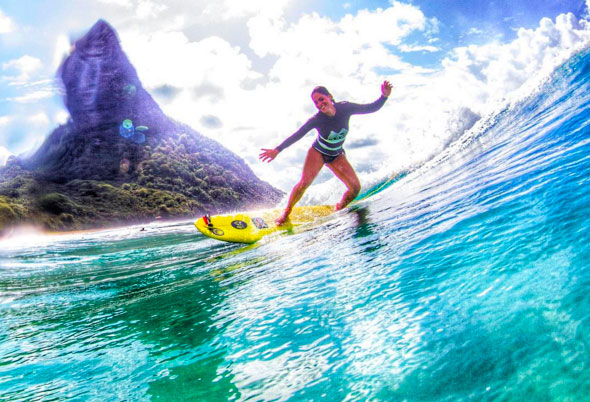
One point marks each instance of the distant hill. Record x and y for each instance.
(119, 159)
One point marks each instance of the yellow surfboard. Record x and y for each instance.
(249, 227)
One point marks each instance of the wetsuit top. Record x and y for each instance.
(332, 130)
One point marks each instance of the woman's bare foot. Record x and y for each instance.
(282, 219)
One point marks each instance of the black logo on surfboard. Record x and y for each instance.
(216, 232)
(239, 224)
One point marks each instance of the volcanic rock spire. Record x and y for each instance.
(119, 146)
(101, 86)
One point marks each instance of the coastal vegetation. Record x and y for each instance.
(178, 176)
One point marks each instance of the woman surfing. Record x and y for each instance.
(331, 123)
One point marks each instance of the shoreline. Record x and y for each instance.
(31, 229)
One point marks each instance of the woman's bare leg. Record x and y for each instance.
(312, 166)
(344, 171)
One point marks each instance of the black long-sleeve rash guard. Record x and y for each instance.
(332, 130)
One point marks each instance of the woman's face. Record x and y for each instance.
(324, 103)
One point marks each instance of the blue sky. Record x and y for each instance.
(240, 71)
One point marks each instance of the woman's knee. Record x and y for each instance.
(304, 183)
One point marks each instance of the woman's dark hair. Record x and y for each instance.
(322, 90)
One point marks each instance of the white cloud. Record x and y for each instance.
(144, 9)
(61, 117)
(39, 119)
(5, 120)
(475, 31)
(202, 74)
(33, 96)
(149, 9)
(61, 51)
(22, 68)
(314, 35)
(24, 131)
(6, 24)
(170, 58)
(388, 25)
(499, 69)
(119, 3)
(4, 155)
(231, 9)
(418, 48)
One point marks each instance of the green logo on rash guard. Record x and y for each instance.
(335, 137)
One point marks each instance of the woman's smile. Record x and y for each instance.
(324, 104)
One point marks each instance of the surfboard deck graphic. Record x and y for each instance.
(249, 227)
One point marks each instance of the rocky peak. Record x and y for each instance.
(101, 86)
(120, 158)
(99, 41)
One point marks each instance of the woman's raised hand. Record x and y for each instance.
(267, 155)
(386, 88)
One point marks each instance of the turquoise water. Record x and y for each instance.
(465, 280)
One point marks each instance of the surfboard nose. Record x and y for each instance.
(207, 220)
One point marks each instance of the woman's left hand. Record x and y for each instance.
(267, 155)
(386, 89)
